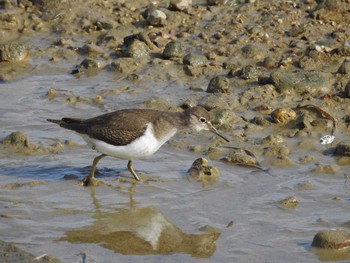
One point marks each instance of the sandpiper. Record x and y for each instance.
(132, 134)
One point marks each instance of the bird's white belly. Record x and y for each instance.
(144, 146)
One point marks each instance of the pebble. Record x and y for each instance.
(249, 72)
(125, 65)
(325, 169)
(16, 139)
(89, 63)
(290, 202)
(222, 117)
(276, 151)
(347, 90)
(13, 52)
(252, 51)
(283, 115)
(173, 49)
(343, 148)
(180, 5)
(240, 157)
(268, 62)
(142, 36)
(300, 82)
(194, 60)
(218, 84)
(137, 49)
(202, 172)
(215, 101)
(331, 239)
(344, 68)
(156, 18)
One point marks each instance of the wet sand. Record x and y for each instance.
(277, 185)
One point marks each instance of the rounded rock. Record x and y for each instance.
(195, 60)
(249, 72)
(202, 172)
(180, 5)
(344, 68)
(173, 50)
(13, 52)
(156, 18)
(16, 139)
(283, 115)
(218, 84)
(289, 202)
(241, 157)
(331, 239)
(343, 148)
(137, 49)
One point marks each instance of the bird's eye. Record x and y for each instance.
(202, 120)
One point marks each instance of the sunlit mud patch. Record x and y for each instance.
(143, 231)
(17, 143)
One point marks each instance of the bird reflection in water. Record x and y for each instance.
(142, 231)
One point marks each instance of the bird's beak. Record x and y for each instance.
(215, 131)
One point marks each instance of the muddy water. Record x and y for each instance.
(165, 218)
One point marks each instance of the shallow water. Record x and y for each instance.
(236, 219)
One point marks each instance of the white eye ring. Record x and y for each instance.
(202, 120)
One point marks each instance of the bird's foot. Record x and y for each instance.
(90, 181)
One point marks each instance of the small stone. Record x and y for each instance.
(272, 140)
(125, 65)
(222, 117)
(283, 115)
(156, 18)
(343, 148)
(296, 30)
(261, 121)
(218, 84)
(202, 172)
(300, 82)
(249, 72)
(13, 52)
(180, 5)
(137, 49)
(331, 239)
(325, 169)
(344, 68)
(91, 49)
(276, 151)
(16, 139)
(347, 90)
(289, 202)
(268, 62)
(241, 157)
(252, 51)
(194, 60)
(51, 93)
(143, 37)
(89, 63)
(173, 50)
(216, 2)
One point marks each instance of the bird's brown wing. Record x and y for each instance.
(117, 128)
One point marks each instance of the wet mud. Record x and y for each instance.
(275, 76)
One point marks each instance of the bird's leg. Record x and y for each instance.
(90, 180)
(132, 170)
